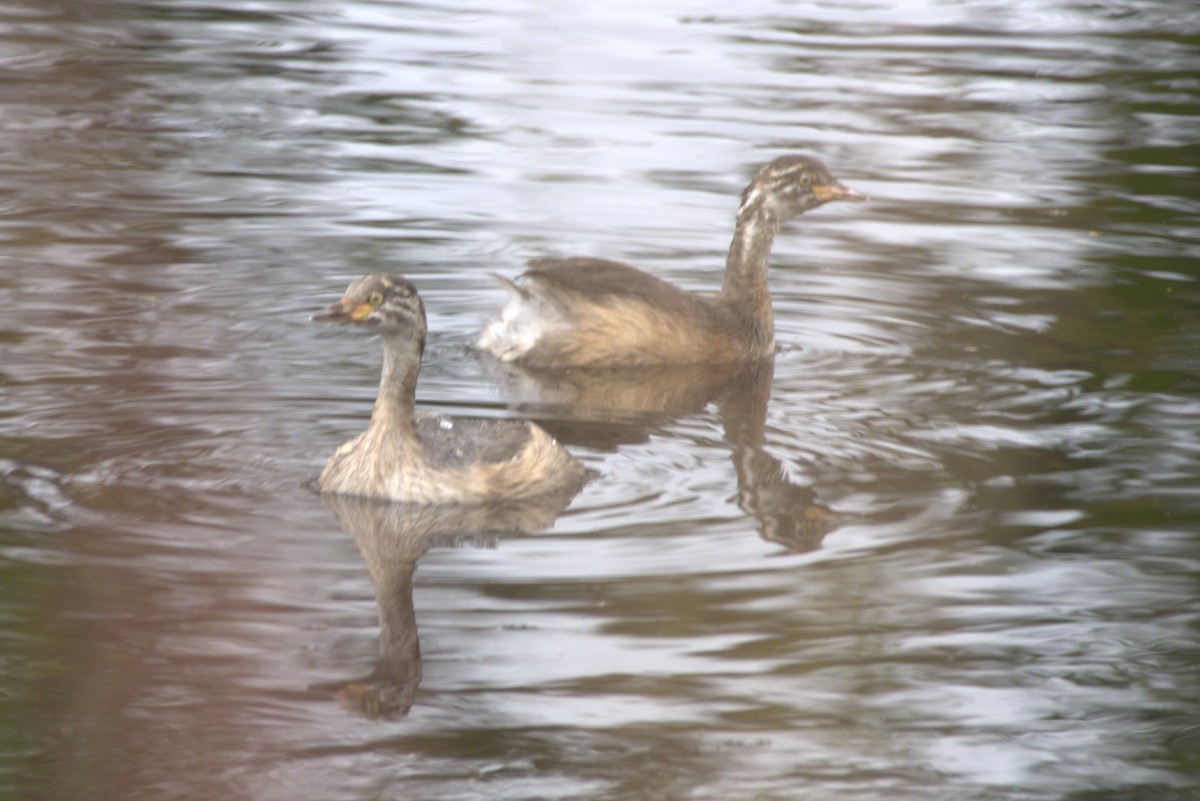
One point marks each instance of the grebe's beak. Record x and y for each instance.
(836, 191)
(342, 312)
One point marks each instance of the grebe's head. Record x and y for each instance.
(792, 185)
(388, 304)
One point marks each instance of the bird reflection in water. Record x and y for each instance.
(392, 538)
(787, 513)
(607, 408)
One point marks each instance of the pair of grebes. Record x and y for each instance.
(562, 314)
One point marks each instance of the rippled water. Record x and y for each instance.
(948, 549)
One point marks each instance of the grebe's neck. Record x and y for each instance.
(399, 643)
(393, 411)
(745, 289)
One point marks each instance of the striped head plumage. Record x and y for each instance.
(792, 185)
(388, 304)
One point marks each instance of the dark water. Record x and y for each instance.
(949, 549)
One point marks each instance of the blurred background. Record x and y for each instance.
(948, 549)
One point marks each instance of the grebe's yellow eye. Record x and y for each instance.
(375, 298)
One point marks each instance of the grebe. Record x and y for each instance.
(584, 312)
(429, 458)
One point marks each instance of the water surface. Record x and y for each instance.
(945, 548)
